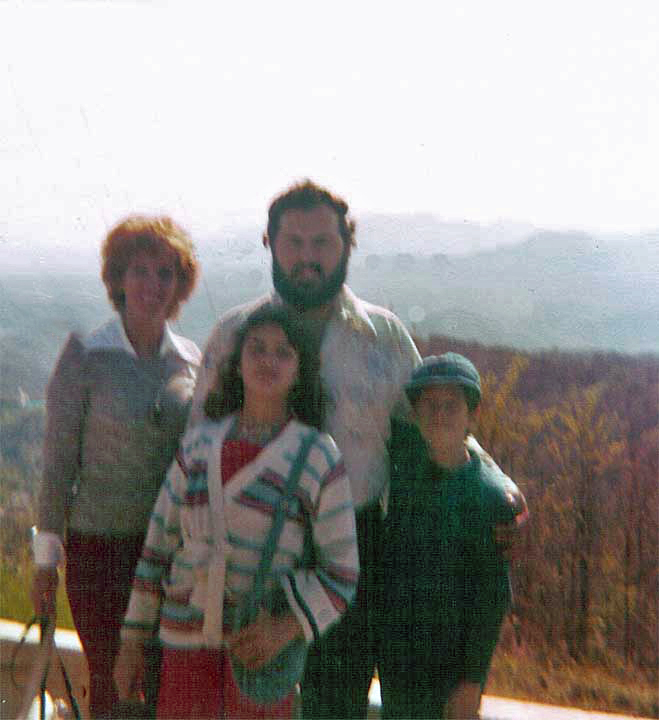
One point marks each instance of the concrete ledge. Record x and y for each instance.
(68, 644)
(13, 679)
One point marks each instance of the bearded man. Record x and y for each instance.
(366, 357)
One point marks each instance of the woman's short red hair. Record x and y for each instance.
(152, 234)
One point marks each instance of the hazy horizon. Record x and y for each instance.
(397, 233)
(478, 113)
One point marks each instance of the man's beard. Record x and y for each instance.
(307, 296)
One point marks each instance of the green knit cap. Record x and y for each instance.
(447, 369)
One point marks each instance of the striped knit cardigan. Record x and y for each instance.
(205, 539)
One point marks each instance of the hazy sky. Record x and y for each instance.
(546, 112)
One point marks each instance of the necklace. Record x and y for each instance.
(258, 433)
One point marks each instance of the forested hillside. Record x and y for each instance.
(579, 432)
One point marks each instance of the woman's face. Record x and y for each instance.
(268, 364)
(150, 286)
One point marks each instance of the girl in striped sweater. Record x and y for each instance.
(196, 580)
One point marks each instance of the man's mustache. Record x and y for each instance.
(300, 268)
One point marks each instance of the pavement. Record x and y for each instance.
(68, 644)
(498, 708)
(16, 665)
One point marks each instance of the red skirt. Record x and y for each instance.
(198, 684)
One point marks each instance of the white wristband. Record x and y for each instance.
(47, 549)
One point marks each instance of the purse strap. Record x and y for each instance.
(39, 673)
(277, 525)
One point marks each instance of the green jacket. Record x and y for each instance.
(441, 572)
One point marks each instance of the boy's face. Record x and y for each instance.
(443, 418)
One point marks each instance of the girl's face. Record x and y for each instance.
(268, 364)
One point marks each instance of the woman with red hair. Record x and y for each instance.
(117, 404)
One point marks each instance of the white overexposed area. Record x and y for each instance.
(543, 113)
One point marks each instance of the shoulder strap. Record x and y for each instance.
(278, 523)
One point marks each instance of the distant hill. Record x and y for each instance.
(563, 290)
(36, 249)
(503, 284)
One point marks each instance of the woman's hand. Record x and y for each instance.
(44, 591)
(261, 641)
(129, 671)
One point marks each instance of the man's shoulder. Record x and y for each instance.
(377, 312)
(231, 320)
(237, 314)
(385, 325)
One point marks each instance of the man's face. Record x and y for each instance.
(309, 257)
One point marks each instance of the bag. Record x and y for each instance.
(276, 679)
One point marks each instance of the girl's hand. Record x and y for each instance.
(44, 591)
(129, 671)
(261, 641)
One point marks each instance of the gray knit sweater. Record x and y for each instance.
(113, 425)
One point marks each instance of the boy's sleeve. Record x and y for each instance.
(483, 625)
(513, 503)
(320, 595)
(490, 581)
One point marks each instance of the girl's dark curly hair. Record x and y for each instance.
(306, 400)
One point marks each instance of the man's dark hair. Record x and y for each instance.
(307, 195)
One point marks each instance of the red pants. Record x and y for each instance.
(99, 576)
(198, 684)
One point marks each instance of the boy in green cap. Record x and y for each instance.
(444, 588)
